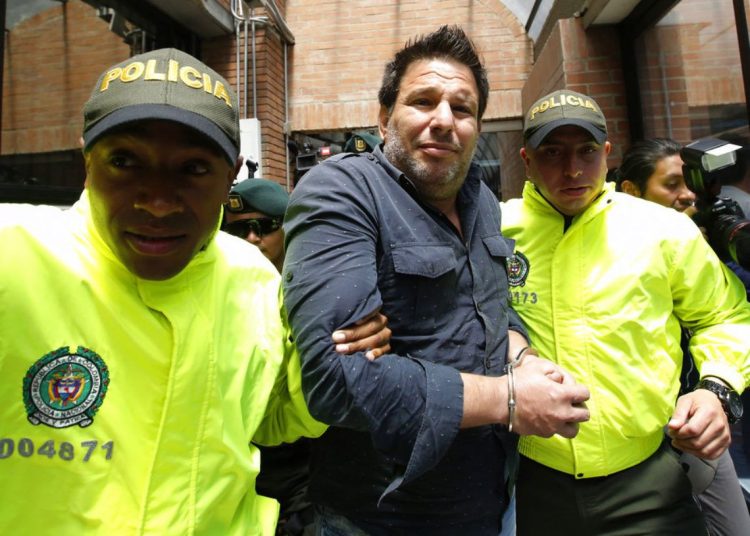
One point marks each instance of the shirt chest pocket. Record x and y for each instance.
(499, 246)
(500, 249)
(424, 284)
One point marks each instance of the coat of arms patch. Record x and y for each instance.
(65, 388)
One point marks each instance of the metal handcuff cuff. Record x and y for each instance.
(511, 383)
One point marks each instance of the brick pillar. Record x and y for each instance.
(220, 54)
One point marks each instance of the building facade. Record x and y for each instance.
(308, 72)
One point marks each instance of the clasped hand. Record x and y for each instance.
(548, 399)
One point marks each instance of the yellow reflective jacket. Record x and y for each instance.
(605, 299)
(127, 406)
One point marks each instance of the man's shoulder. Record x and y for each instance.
(514, 204)
(243, 259)
(33, 223)
(343, 163)
(739, 195)
(28, 216)
(730, 190)
(650, 221)
(511, 211)
(635, 208)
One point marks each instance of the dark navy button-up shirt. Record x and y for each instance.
(358, 239)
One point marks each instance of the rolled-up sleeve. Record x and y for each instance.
(411, 408)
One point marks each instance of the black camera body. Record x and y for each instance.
(705, 161)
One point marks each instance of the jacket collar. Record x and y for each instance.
(91, 239)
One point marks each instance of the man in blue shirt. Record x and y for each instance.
(420, 437)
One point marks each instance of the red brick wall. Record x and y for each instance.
(220, 54)
(688, 62)
(587, 61)
(52, 61)
(661, 65)
(342, 47)
(592, 66)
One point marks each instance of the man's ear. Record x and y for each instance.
(522, 152)
(629, 187)
(383, 117)
(525, 158)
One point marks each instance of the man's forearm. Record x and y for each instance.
(485, 400)
(547, 399)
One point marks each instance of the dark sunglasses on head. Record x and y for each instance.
(259, 226)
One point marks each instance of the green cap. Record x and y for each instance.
(361, 142)
(563, 107)
(258, 195)
(165, 84)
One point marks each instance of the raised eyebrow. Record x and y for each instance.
(466, 97)
(417, 90)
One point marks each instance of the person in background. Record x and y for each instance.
(255, 213)
(603, 282)
(652, 169)
(666, 184)
(735, 185)
(422, 439)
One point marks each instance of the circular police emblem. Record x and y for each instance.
(63, 389)
(518, 269)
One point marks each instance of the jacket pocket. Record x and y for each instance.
(422, 286)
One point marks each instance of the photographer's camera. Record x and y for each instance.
(726, 226)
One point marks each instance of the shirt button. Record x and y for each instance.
(289, 276)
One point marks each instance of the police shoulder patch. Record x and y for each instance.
(62, 389)
(518, 269)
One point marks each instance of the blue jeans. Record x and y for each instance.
(509, 518)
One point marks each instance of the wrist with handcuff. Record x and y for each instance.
(512, 384)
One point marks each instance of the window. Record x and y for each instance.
(689, 72)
